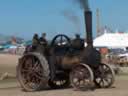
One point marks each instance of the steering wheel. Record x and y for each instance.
(60, 40)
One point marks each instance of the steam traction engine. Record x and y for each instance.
(62, 63)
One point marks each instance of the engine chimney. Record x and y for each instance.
(88, 24)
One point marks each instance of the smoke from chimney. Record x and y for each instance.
(84, 4)
(88, 20)
(72, 17)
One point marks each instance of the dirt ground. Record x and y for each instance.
(10, 87)
(8, 63)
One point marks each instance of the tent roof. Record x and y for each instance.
(112, 40)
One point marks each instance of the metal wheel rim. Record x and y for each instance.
(106, 76)
(81, 78)
(30, 73)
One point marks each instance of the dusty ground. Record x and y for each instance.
(10, 87)
(8, 63)
(120, 88)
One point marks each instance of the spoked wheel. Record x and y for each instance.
(105, 77)
(81, 77)
(60, 39)
(61, 81)
(33, 72)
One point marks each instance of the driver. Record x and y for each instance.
(78, 42)
(43, 44)
(43, 40)
(35, 42)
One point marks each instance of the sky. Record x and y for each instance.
(23, 18)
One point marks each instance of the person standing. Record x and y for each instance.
(43, 40)
(35, 42)
(78, 42)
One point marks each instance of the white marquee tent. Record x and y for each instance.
(112, 40)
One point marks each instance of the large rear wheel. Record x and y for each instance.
(33, 72)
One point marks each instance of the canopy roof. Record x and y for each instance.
(111, 40)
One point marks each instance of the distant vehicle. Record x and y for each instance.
(118, 57)
(123, 59)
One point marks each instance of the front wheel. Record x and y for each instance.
(105, 76)
(81, 77)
